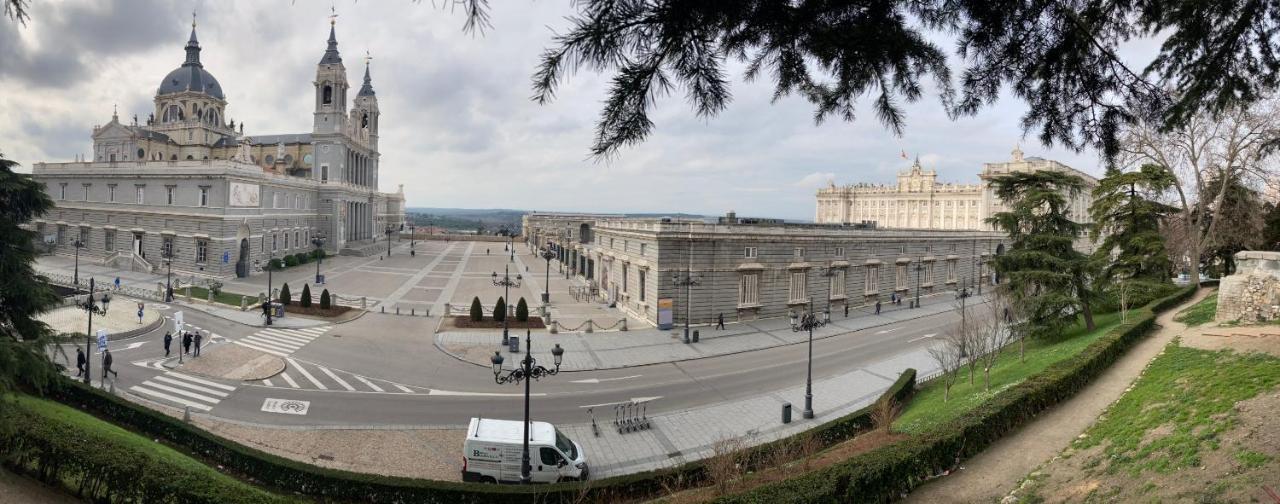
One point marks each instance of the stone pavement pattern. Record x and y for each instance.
(121, 317)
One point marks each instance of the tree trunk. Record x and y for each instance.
(986, 379)
(1085, 307)
(1022, 342)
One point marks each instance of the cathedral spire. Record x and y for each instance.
(367, 88)
(193, 46)
(331, 56)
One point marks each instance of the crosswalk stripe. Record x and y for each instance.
(288, 379)
(403, 388)
(306, 374)
(369, 383)
(176, 390)
(181, 383)
(213, 384)
(168, 397)
(284, 336)
(284, 347)
(312, 330)
(267, 382)
(335, 378)
(261, 349)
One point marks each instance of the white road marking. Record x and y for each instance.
(179, 391)
(598, 380)
(403, 388)
(286, 406)
(477, 394)
(168, 397)
(888, 330)
(633, 399)
(344, 384)
(262, 349)
(288, 379)
(267, 382)
(206, 390)
(930, 335)
(228, 388)
(306, 374)
(369, 383)
(133, 345)
(184, 390)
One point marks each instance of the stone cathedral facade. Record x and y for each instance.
(187, 185)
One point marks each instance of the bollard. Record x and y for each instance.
(397, 310)
(186, 290)
(553, 326)
(786, 412)
(244, 303)
(384, 308)
(446, 309)
(364, 303)
(186, 414)
(695, 335)
(412, 312)
(208, 295)
(624, 325)
(590, 327)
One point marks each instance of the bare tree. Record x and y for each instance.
(969, 339)
(1205, 155)
(885, 412)
(726, 463)
(946, 352)
(994, 332)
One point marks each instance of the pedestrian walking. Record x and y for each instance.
(877, 307)
(846, 310)
(186, 343)
(168, 339)
(117, 283)
(79, 362)
(199, 337)
(106, 365)
(720, 321)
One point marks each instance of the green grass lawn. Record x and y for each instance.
(1199, 313)
(1190, 394)
(224, 297)
(108, 437)
(927, 409)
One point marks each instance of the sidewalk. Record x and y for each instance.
(622, 349)
(990, 475)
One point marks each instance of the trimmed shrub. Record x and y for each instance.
(275, 264)
(325, 302)
(305, 300)
(285, 297)
(500, 310)
(522, 311)
(477, 311)
(302, 258)
(290, 261)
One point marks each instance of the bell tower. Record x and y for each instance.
(364, 117)
(331, 89)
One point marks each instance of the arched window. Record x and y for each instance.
(189, 158)
(142, 154)
(364, 121)
(327, 95)
(288, 159)
(271, 159)
(173, 157)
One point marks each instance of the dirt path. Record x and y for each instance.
(992, 474)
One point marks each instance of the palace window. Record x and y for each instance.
(86, 187)
(871, 280)
(109, 240)
(750, 252)
(62, 235)
(642, 247)
(625, 268)
(274, 244)
(836, 287)
(799, 252)
(204, 196)
(202, 250)
(111, 193)
(839, 251)
(286, 241)
(62, 191)
(141, 194)
(166, 247)
(84, 236)
(928, 273)
(799, 286)
(901, 281)
(641, 285)
(749, 289)
(170, 194)
(951, 271)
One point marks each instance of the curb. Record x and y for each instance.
(436, 342)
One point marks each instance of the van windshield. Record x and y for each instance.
(566, 446)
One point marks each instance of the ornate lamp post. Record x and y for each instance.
(413, 236)
(808, 322)
(318, 242)
(548, 255)
(919, 268)
(389, 231)
(266, 305)
(506, 283)
(168, 253)
(527, 373)
(685, 279)
(88, 306)
(76, 276)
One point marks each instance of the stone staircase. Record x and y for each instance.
(363, 248)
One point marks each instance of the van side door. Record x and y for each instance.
(547, 467)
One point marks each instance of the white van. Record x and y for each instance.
(491, 453)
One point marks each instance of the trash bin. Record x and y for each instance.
(786, 412)
(279, 311)
(513, 344)
(695, 336)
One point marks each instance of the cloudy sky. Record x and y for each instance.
(458, 128)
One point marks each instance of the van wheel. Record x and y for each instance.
(488, 479)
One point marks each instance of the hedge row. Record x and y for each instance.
(336, 485)
(887, 473)
(106, 467)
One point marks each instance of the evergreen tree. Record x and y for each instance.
(325, 302)
(1271, 227)
(305, 300)
(522, 311)
(477, 311)
(1128, 220)
(1047, 275)
(285, 298)
(23, 293)
(500, 310)
(1240, 225)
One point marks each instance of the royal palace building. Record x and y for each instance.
(187, 185)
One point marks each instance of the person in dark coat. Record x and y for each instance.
(846, 310)
(877, 307)
(79, 362)
(186, 343)
(198, 337)
(168, 338)
(106, 365)
(720, 321)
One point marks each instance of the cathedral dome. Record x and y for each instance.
(191, 76)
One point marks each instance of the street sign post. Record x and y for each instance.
(102, 340)
(177, 322)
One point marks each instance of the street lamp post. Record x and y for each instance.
(89, 306)
(511, 244)
(527, 373)
(76, 276)
(548, 255)
(168, 254)
(808, 322)
(266, 305)
(318, 242)
(687, 281)
(506, 283)
(413, 236)
(919, 267)
(389, 231)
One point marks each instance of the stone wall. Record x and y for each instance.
(1252, 294)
